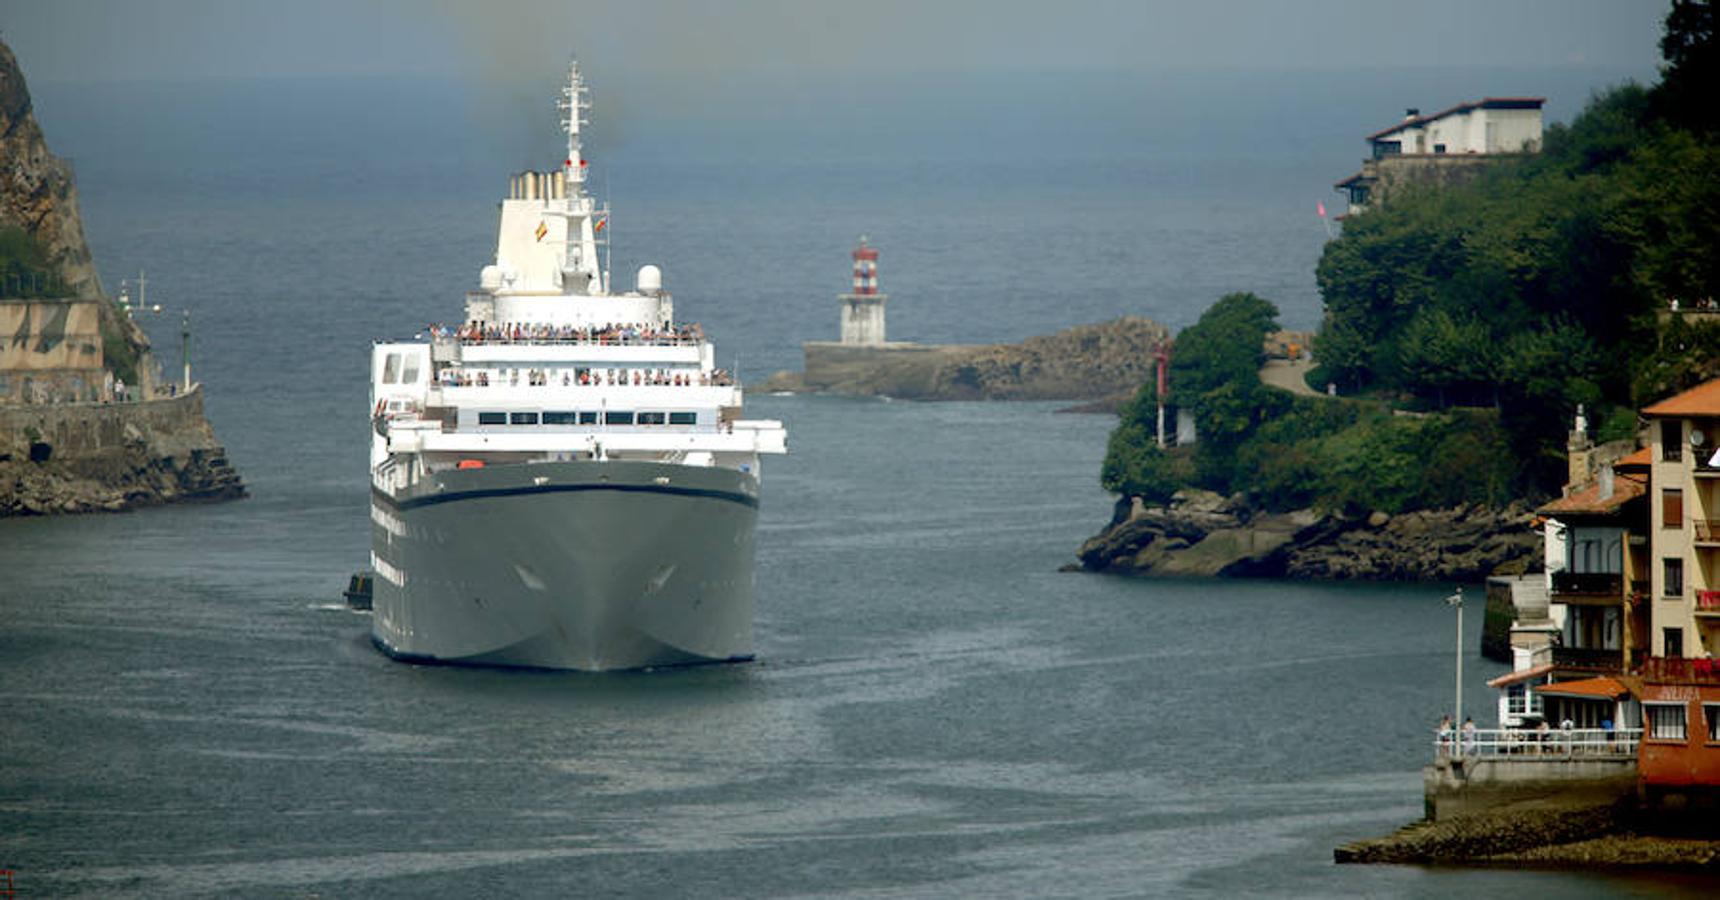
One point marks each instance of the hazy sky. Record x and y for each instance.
(175, 40)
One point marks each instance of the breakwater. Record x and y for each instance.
(88, 457)
(1102, 361)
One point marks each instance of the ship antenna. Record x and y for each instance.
(581, 248)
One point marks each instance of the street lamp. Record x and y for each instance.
(1457, 601)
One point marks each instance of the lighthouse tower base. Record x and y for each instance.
(863, 319)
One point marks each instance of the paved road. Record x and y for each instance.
(1289, 375)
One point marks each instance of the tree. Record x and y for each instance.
(1685, 94)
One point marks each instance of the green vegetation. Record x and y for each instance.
(1289, 452)
(24, 269)
(1536, 287)
(1493, 307)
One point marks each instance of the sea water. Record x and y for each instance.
(187, 707)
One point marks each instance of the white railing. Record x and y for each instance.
(1557, 744)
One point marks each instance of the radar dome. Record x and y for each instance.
(650, 280)
(490, 278)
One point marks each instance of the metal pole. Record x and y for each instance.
(185, 347)
(1457, 601)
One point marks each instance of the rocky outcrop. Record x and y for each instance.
(1088, 362)
(109, 457)
(1200, 533)
(1549, 835)
(124, 479)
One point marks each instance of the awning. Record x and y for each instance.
(1586, 689)
(1525, 675)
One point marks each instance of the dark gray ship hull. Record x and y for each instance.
(571, 565)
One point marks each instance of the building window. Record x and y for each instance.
(652, 418)
(683, 418)
(1439, 148)
(1711, 712)
(1665, 720)
(618, 418)
(1671, 439)
(1673, 638)
(492, 418)
(1672, 508)
(391, 369)
(1674, 578)
(1383, 149)
(1359, 195)
(523, 418)
(1521, 701)
(560, 418)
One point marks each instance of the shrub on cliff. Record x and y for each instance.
(24, 268)
(1214, 376)
(1288, 452)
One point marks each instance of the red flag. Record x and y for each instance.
(1321, 206)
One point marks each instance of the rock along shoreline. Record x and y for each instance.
(1199, 533)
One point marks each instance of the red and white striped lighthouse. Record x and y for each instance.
(865, 268)
(863, 310)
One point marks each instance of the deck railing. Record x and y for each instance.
(1707, 530)
(1557, 744)
(1588, 658)
(1608, 584)
(585, 342)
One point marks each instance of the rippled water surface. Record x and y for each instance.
(187, 708)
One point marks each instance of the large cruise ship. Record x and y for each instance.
(562, 480)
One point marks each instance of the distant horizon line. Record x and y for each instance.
(845, 75)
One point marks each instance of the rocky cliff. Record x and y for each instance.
(37, 195)
(1087, 362)
(89, 456)
(1200, 533)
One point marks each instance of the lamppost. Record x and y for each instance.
(185, 348)
(1457, 601)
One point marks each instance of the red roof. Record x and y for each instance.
(1483, 103)
(1514, 677)
(1640, 459)
(1586, 689)
(1589, 499)
(1702, 400)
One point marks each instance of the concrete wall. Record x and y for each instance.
(863, 319)
(1462, 787)
(51, 351)
(170, 425)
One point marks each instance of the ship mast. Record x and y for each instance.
(581, 210)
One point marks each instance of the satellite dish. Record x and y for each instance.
(1697, 437)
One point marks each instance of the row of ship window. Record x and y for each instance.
(589, 417)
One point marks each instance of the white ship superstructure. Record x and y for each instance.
(562, 479)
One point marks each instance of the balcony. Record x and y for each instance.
(1589, 584)
(1708, 603)
(1588, 659)
(1679, 670)
(1707, 531)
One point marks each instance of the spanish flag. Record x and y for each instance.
(599, 226)
(542, 230)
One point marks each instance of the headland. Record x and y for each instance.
(87, 423)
